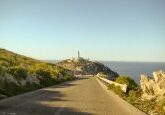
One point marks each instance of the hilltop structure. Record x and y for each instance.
(78, 54)
(78, 58)
(80, 65)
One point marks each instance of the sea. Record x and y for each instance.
(135, 69)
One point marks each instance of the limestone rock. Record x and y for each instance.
(22, 82)
(32, 79)
(153, 87)
(9, 78)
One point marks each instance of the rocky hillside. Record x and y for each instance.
(153, 88)
(153, 91)
(84, 66)
(19, 74)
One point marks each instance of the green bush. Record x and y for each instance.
(161, 106)
(2, 71)
(18, 72)
(67, 77)
(116, 89)
(146, 105)
(133, 95)
(43, 73)
(9, 89)
(162, 103)
(45, 77)
(128, 81)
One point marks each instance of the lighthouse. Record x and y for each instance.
(78, 55)
(77, 58)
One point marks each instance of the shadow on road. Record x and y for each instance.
(41, 102)
(82, 78)
(65, 85)
(44, 110)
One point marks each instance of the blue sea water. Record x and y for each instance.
(134, 69)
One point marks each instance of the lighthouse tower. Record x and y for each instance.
(78, 58)
(78, 55)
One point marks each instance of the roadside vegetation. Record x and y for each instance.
(133, 96)
(19, 74)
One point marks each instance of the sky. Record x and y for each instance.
(114, 30)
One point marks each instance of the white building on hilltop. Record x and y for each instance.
(78, 58)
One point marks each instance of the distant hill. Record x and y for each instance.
(20, 74)
(84, 66)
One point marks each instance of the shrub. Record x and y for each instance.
(128, 81)
(9, 88)
(67, 77)
(133, 96)
(42, 72)
(18, 72)
(161, 106)
(116, 89)
(2, 71)
(162, 103)
(45, 77)
(146, 105)
(111, 86)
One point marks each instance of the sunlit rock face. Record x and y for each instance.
(32, 79)
(153, 88)
(10, 79)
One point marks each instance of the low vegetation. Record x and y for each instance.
(133, 96)
(128, 81)
(19, 74)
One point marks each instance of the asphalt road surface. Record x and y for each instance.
(87, 96)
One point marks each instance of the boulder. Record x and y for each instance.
(153, 87)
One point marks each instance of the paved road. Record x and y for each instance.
(80, 97)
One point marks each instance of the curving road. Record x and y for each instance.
(80, 97)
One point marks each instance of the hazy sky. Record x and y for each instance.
(121, 30)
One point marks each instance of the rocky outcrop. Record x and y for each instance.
(32, 79)
(153, 87)
(86, 67)
(21, 82)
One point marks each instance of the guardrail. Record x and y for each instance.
(83, 75)
(122, 86)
